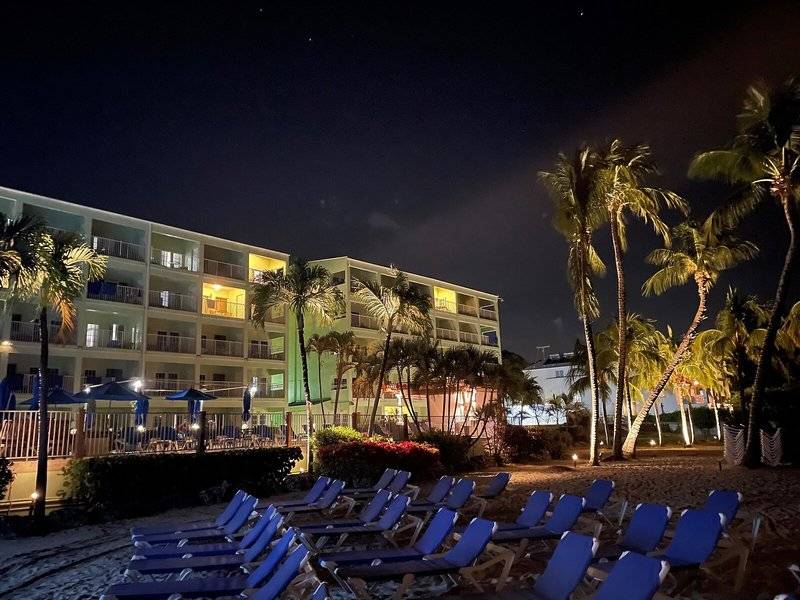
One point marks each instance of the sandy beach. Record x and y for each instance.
(80, 563)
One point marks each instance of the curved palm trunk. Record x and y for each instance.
(605, 420)
(622, 343)
(336, 397)
(682, 409)
(594, 455)
(319, 382)
(381, 375)
(658, 423)
(41, 465)
(690, 420)
(306, 388)
(753, 447)
(428, 401)
(629, 448)
(412, 410)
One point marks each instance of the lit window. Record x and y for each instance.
(92, 334)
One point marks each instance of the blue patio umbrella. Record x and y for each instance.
(247, 400)
(194, 399)
(57, 397)
(142, 407)
(37, 393)
(111, 392)
(5, 394)
(12, 402)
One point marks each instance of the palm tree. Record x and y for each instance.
(578, 214)
(20, 244)
(620, 182)
(477, 368)
(398, 305)
(367, 367)
(318, 345)
(343, 346)
(764, 159)
(306, 290)
(700, 253)
(425, 353)
(60, 266)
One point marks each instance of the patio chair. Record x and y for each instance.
(643, 533)
(238, 521)
(597, 497)
(634, 577)
(458, 497)
(188, 563)
(437, 494)
(383, 526)
(440, 526)
(273, 576)
(229, 546)
(320, 485)
(384, 480)
(726, 502)
(167, 527)
(327, 503)
(496, 486)
(368, 514)
(458, 561)
(396, 485)
(565, 569)
(531, 514)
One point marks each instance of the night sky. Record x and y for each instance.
(405, 134)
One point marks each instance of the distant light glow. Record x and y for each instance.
(652, 442)
(35, 496)
(140, 428)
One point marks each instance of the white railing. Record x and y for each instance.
(118, 248)
(467, 309)
(108, 338)
(220, 307)
(176, 260)
(223, 389)
(118, 293)
(270, 392)
(263, 351)
(446, 334)
(223, 269)
(170, 343)
(488, 340)
(22, 331)
(65, 382)
(470, 338)
(222, 347)
(172, 300)
(363, 321)
(445, 305)
(162, 387)
(19, 434)
(488, 313)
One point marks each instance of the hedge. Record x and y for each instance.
(362, 462)
(454, 450)
(140, 484)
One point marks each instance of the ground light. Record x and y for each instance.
(575, 460)
(652, 442)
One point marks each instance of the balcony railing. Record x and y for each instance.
(270, 392)
(255, 275)
(222, 347)
(488, 340)
(223, 389)
(467, 309)
(65, 382)
(363, 321)
(108, 338)
(173, 260)
(22, 331)
(223, 269)
(263, 351)
(220, 307)
(446, 334)
(118, 248)
(157, 342)
(115, 293)
(276, 314)
(488, 313)
(162, 387)
(469, 338)
(444, 305)
(172, 300)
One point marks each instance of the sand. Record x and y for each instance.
(80, 563)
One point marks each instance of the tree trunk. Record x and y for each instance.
(339, 375)
(39, 504)
(682, 409)
(622, 334)
(381, 375)
(753, 448)
(633, 435)
(412, 410)
(428, 401)
(628, 405)
(605, 419)
(319, 385)
(594, 456)
(306, 388)
(658, 423)
(690, 421)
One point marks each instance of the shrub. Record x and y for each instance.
(362, 462)
(6, 476)
(334, 435)
(556, 442)
(132, 485)
(453, 449)
(520, 443)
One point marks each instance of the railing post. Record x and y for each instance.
(288, 427)
(201, 441)
(354, 420)
(405, 428)
(79, 449)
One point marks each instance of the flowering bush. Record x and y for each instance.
(362, 462)
(334, 435)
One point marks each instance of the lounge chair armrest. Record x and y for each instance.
(412, 491)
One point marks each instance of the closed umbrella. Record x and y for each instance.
(34, 401)
(247, 400)
(5, 394)
(142, 407)
(194, 399)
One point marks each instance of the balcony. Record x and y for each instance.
(469, 338)
(65, 382)
(263, 351)
(276, 314)
(488, 340)
(113, 292)
(222, 348)
(117, 340)
(446, 334)
(488, 313)
(29, 332)
(223, 269)
(466, 309)
(170, 343)
(444, 305)
(221, 307)
(172, 260)
(223, 389)
(172, 300)
(269, 392)
(162, 387)
(363, 321)
(118, 248)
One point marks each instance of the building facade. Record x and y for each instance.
(171, 312)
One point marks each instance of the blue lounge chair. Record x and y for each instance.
(496, 486)
(439, 528)
(459, 560)
(598, 495)
(238, 521)
(327, 502)
(275, 574)
(167, 527)
(643, 533)
(226, 562)
(459, 495)
(437, 494)
(384, 480)
(565, 569)
(634, 577)
(384, 526)
(726, 502)
(371, 511)
(230, 546)
(320, 485)
(565, 514)
(396, 485)
(321, 593)
(532, 513)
